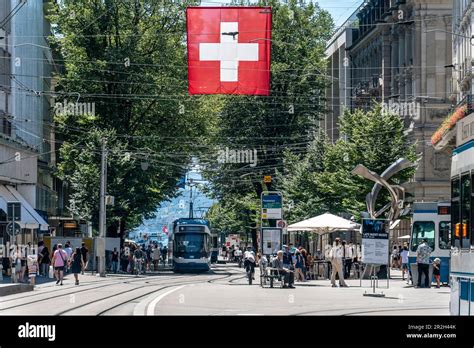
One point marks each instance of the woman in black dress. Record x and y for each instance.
(76, 264)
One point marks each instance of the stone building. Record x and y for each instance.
(398, 53)
(338, 93)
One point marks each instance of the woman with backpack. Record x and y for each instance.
(59, 262)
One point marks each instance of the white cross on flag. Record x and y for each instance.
(229, 50)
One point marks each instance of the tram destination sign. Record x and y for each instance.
(375, 241)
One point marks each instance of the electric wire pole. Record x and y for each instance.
(102, 212)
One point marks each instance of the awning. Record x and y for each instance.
(325, 223)
(29, 217)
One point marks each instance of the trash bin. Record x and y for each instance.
(414, 274)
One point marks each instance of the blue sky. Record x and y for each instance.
(339, 9)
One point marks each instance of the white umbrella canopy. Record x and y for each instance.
(324, 223)
(407, 236)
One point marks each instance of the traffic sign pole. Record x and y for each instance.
(271, 214)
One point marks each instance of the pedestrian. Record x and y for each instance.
(423, 253)
(148, 252)
(288, 275)
(156, 258)
(304, 253)
(15, 262)
(77, 264)
(309, 267)
(355, 259)
(436, 271)
(40, 249)
(336, 255)
(68, 250)
(164, 254)
(115, 260)
(32, 269)
(347, 257)
(395, 256)
(85, 259)
(59, 263)
(130, 265)
(21, 274)
(45, 260)
(404, 257)
(287, 259)
(299, 264)
(124, 258)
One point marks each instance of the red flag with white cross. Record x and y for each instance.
(229, 50)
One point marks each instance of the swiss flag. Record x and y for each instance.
(229, 50)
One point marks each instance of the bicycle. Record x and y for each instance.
(248, 270)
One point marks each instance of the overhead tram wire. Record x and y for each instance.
(183, 33)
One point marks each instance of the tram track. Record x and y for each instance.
(80, 290)
(146, 282)
(361, 312)
(151, 292)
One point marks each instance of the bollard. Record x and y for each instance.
(1, 272)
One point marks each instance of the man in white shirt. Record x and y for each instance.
(68, 251)
(336, 255)
(249, 260)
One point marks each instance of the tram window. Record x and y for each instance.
(455, 188)
(472, 209)
(423, 230)
(444, 235)
(466, 209)
(192, 243)
(455, 210)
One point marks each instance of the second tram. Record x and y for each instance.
(432, 221)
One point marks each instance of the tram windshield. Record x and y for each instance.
(423, 230)
(445, 235)
(191, 243)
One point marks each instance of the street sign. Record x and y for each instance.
(282, 224)
(13, 228)
(272, 206)
(267, 179)
(375, 241)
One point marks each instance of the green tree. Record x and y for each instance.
(127, 57)
(298, 181)
(321, 179)
(288, 118)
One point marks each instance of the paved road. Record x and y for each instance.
(222, 292)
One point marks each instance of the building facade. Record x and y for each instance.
(28, 187)
(398, 53)
(461, 94)
(338, 93)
